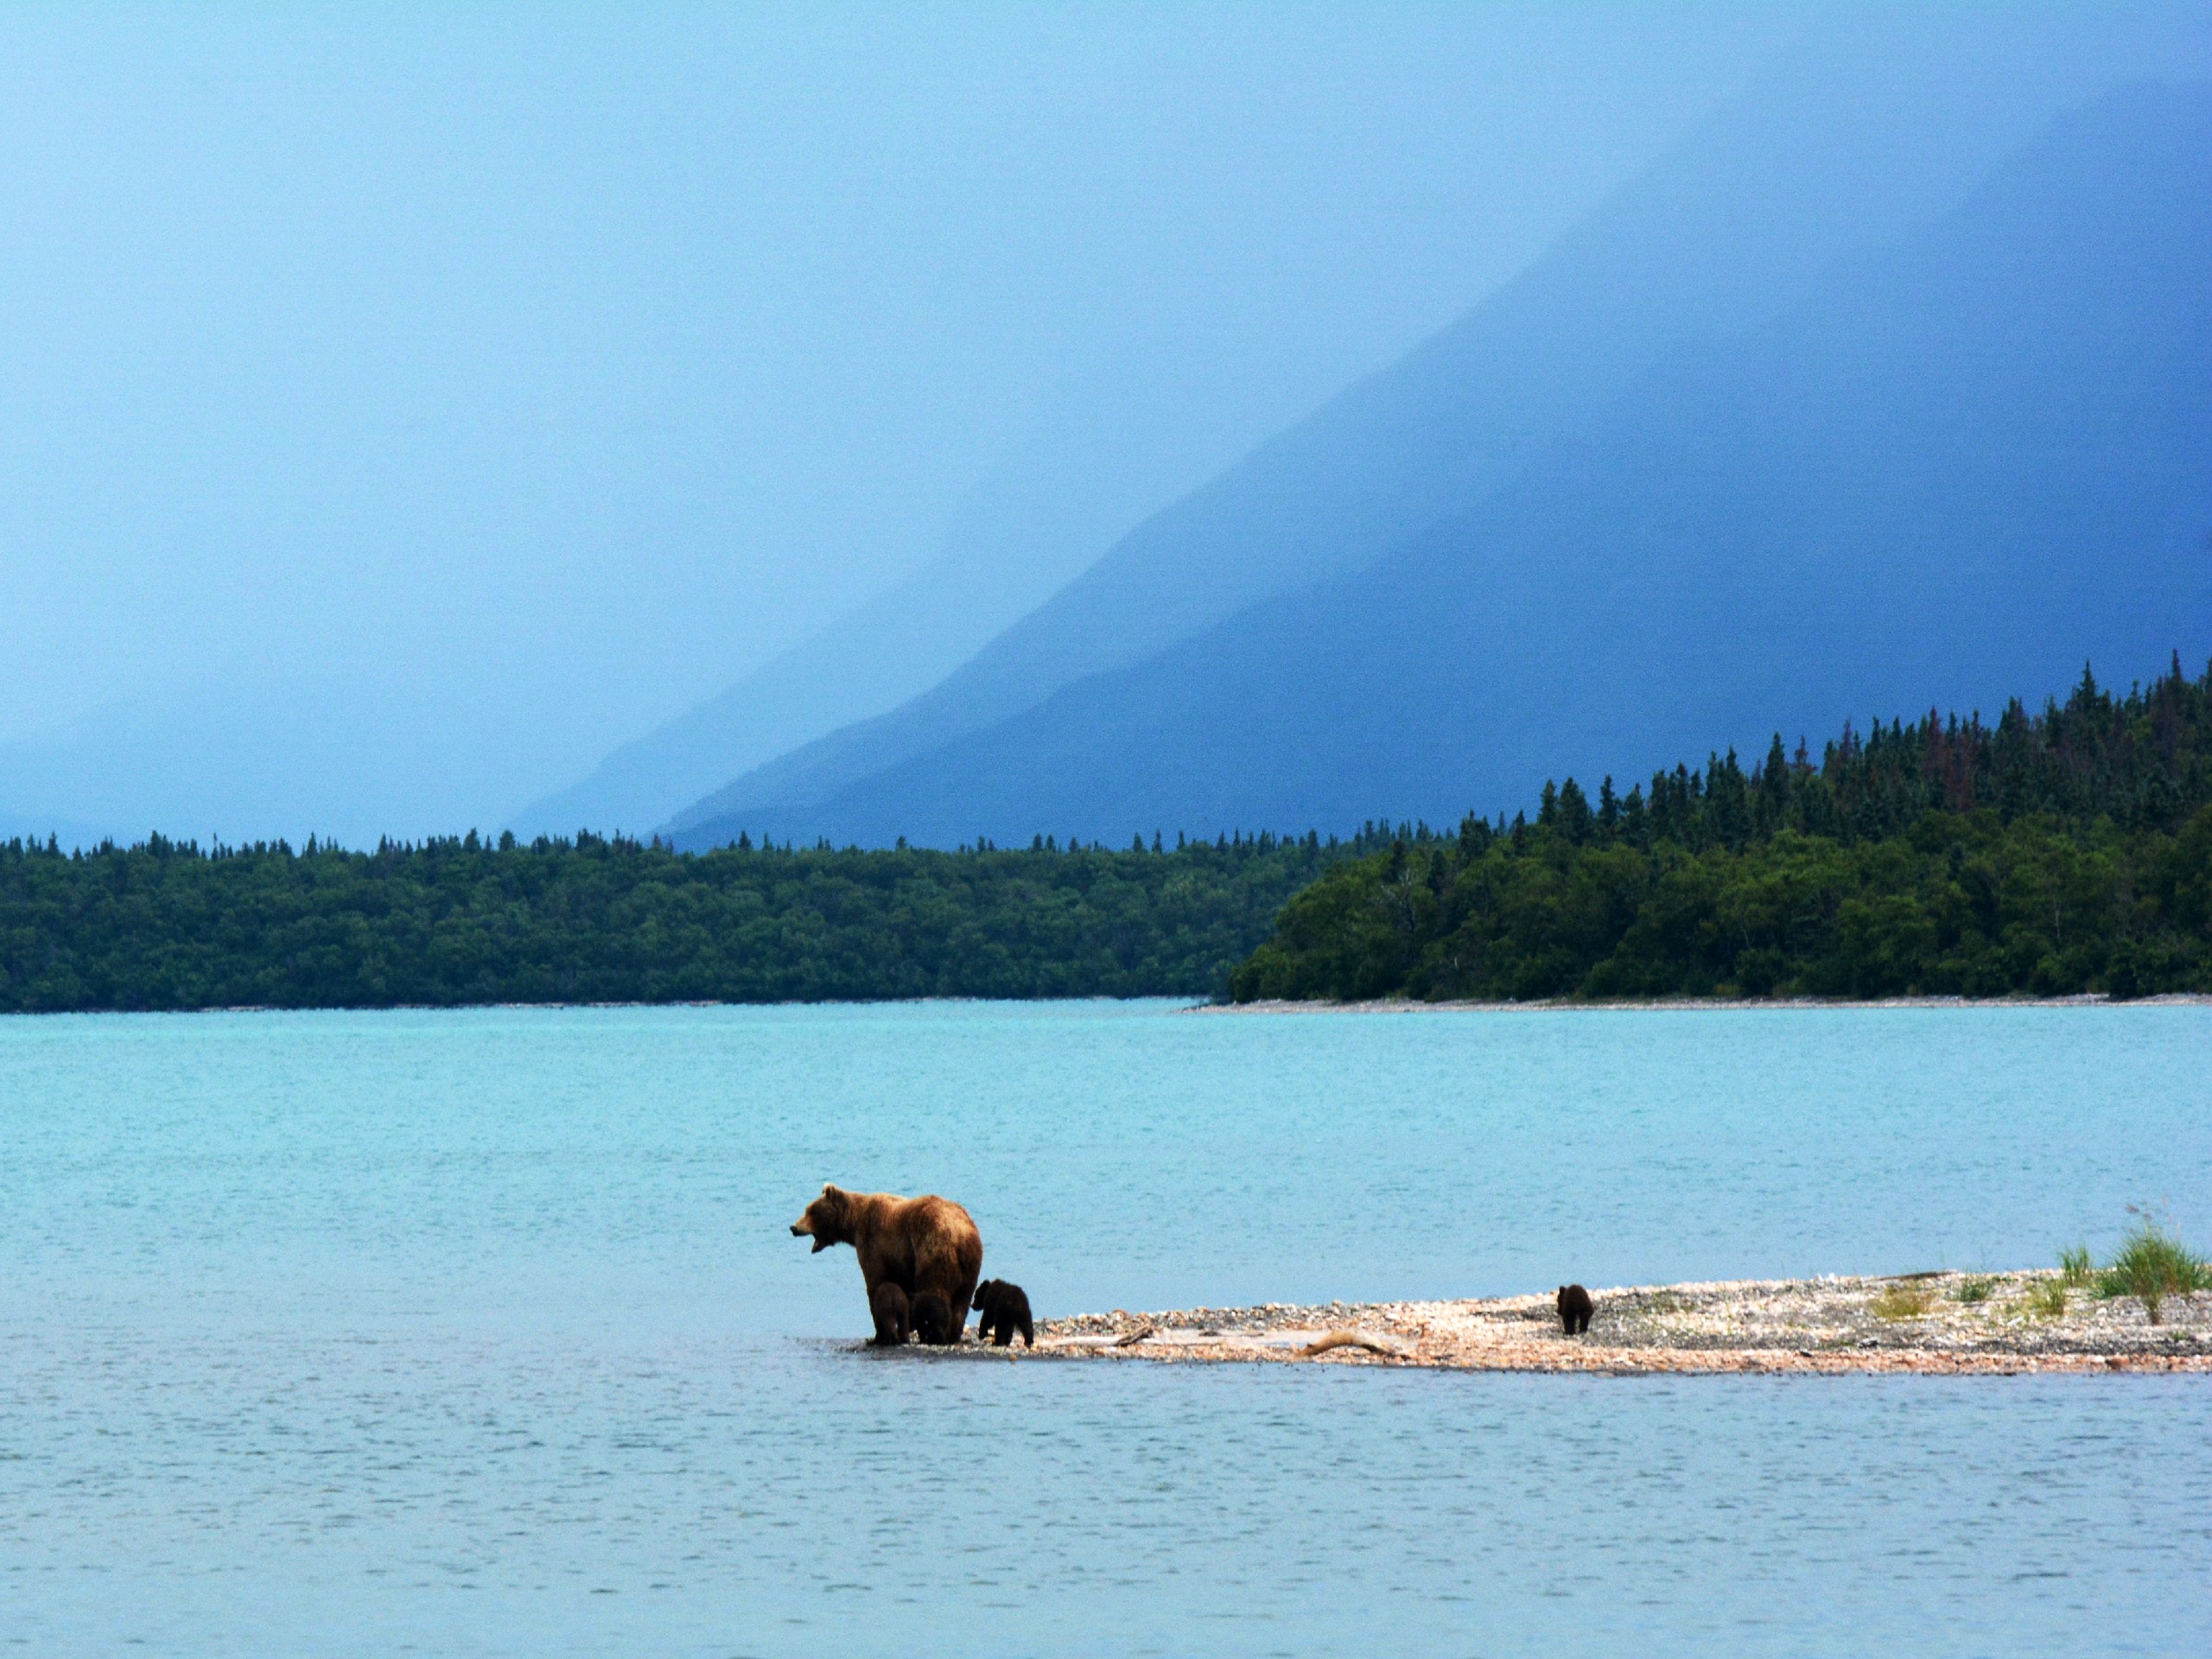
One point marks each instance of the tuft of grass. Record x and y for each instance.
(2075, 1267)
(2046, 1299)
(1902, 1302)
(2152, 1265)
(1976, 1289)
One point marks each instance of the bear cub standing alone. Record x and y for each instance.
(1005, 1309)
(934, 1319)
(1574, 1309)
(889, 1307)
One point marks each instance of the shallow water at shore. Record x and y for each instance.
(481, 1333)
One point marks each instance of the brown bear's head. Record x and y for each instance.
(826, 1220)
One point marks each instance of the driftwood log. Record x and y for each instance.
(1352, 1339)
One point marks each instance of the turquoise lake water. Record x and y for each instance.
(481, 1333)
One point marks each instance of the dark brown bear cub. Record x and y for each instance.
(934, 1319)
(889, 1307)
(1574, 1309)
(1005, 1309)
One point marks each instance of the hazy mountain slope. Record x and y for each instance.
(864, 662)
(1842, 151)
(1085, 468)
(1954, 471)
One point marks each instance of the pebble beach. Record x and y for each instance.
(1936, 1323)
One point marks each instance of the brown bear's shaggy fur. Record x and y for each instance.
(1574, 1309)
(1005, 1309)
(889, 1307)
(933, 1320)
(924, 1244)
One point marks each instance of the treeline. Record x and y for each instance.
(459, 920)
(2054, 853)
(2064, 851)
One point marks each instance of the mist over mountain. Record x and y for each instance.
(1843, 147)
(1938, 473)
(1470, 139)
(1091, 465)
(878, 655)
(405, 409)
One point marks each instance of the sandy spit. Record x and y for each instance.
(1999, 1323)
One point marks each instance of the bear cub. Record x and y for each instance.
(1574, 1309)
(889, 1307)
(934, 1319)
(1005, 1309)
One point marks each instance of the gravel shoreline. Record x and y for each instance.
(1685, 1004)
(1938, 1323)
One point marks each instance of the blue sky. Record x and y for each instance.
(400, 406)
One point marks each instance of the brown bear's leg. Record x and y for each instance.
(959, 1297)
(950, 1269)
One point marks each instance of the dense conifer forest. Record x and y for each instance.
(458, 920)
(2055, 852)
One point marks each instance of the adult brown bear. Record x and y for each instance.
(924, 1244)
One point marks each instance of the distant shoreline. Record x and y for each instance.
(1384, 1005)
(1675, 1005)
